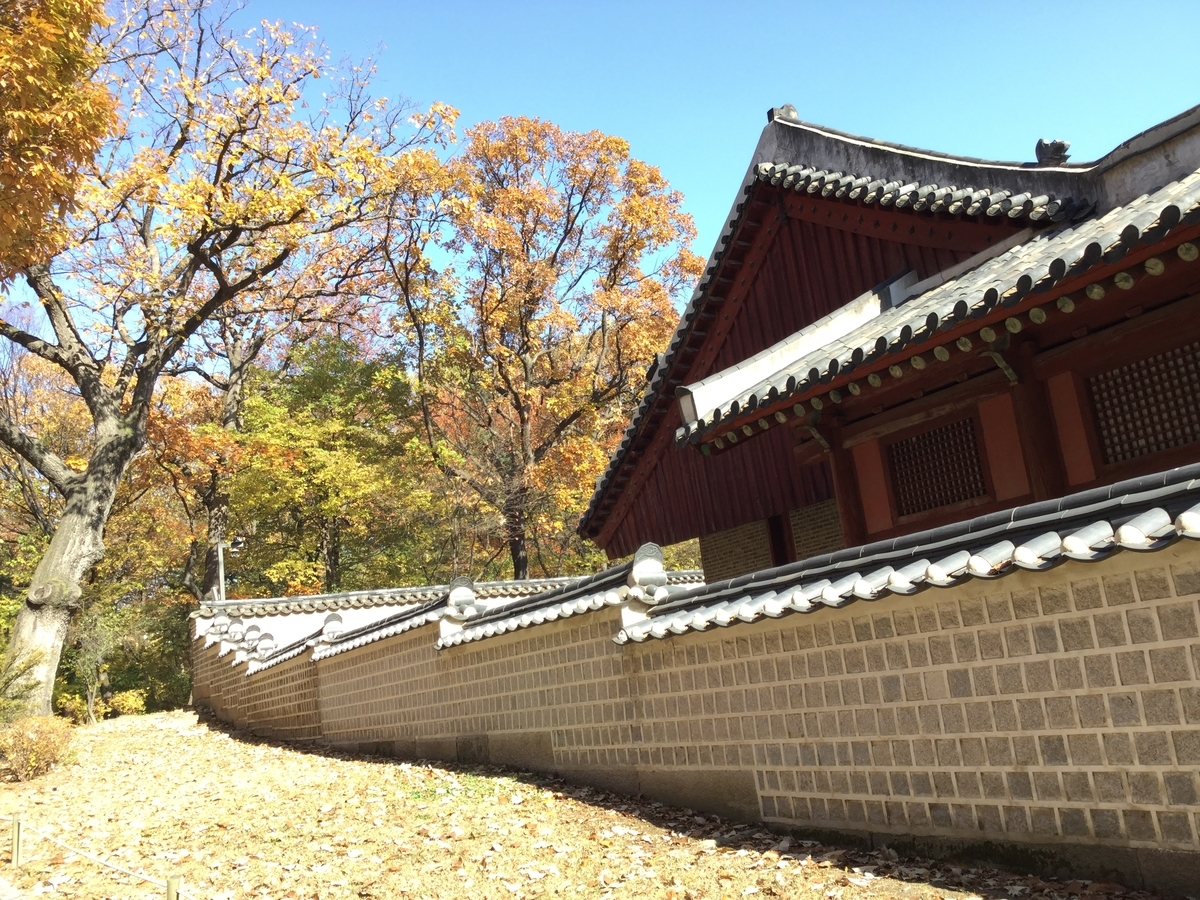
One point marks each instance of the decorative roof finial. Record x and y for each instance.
(460, 602)
(1052, 153)
(787, 112)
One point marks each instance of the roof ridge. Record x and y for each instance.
(788, 116)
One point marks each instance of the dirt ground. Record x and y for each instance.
(167, 794)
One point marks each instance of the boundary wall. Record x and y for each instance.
(1052, 718)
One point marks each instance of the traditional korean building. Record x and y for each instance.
(935, 423)
(889, 340)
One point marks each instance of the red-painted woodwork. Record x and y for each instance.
(1002, 444)
(687, 494)
(872, 486)
(1072, 433)
(808, 272)
(794, 270)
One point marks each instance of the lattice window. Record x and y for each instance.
(936, 468)
(1149, 405)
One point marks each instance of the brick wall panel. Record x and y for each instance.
(1061, 706)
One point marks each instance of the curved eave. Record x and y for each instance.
(1030, 276)
(1168, 147)
(888, 191)
(670, 369)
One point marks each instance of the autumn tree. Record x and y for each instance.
(220, 178)
(570, 256)
(255, 333)
(138, 589)
(52, 120)
(324, 484)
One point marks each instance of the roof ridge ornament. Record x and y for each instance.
(647, 571)
(331, 628)
(786, 112)
(1052, 153)
(460, 602)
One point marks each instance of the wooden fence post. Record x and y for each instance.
(173, 887)
(16, 840)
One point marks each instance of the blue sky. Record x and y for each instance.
(689, 84)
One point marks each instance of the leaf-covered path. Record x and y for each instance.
(237, 818)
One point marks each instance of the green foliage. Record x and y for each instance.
(149, 653)
(338, 492)
(154, 653)
(18, 558)
(93, 638)
(684, 555)
(35, 745)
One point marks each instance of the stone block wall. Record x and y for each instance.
(735, 551)
(229, 688)
(1038, 708)
(817, 529)
(281, 702)
(204, 673)
(562, 683)
(1056, 711)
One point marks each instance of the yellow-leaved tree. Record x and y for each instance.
(52, 120)
(570, 255)
(239, 166)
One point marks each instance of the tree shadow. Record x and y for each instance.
(843, 864)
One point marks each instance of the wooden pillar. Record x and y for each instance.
(1005, 454)
(1039, 437)
(1063, 392)
(845, 485)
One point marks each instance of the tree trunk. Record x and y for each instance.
(330, 550)
(40, 631)
(91, 703)
(514, 532)
(41, 625)
(216, 498)
(77, 545)
(216, 502)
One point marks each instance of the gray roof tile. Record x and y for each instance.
(1046, 258)
(267, 606)
(969, 201)
(1141, 515)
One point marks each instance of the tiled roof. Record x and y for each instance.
(1142, 514)
(412, 617)
(495, 608)
(607, 588)
(267, 639)
(1038, 264)
(270, 606)
(884, 191)
(283, 654)
(659, 393)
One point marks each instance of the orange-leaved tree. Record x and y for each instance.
(52, 120)
(229, 173)
(569, 256)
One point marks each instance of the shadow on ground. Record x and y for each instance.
(841, 867)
